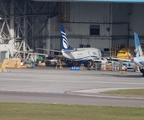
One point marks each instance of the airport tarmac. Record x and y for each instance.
(64, 86)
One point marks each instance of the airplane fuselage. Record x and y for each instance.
(81, 54)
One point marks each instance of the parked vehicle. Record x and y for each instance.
(130, 66)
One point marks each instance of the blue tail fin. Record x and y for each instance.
(138, 48)
(65, 44)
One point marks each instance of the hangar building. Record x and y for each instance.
(29, 24)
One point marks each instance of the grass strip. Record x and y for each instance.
(128, 92)
(28, 111)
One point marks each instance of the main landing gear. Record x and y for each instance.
(142, 71)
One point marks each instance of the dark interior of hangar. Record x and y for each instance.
(27, 25)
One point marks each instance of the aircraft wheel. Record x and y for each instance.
(142, 70)
(143, 74)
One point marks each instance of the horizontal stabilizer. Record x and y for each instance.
(48, 50)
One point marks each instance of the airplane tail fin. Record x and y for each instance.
(138, 48)
(65, 44)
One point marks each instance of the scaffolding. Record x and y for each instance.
(23, 24)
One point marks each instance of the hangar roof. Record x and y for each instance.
(141, 1)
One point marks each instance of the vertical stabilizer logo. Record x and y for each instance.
(64, 40)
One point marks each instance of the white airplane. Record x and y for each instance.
(139, 57)
(77, 54)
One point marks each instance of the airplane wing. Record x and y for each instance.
(26, 52)
(119, 59)
(100, 59)
(57, 56)
(48, 50)
(71, 50)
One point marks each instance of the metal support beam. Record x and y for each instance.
(11, 29)
(23, 22)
